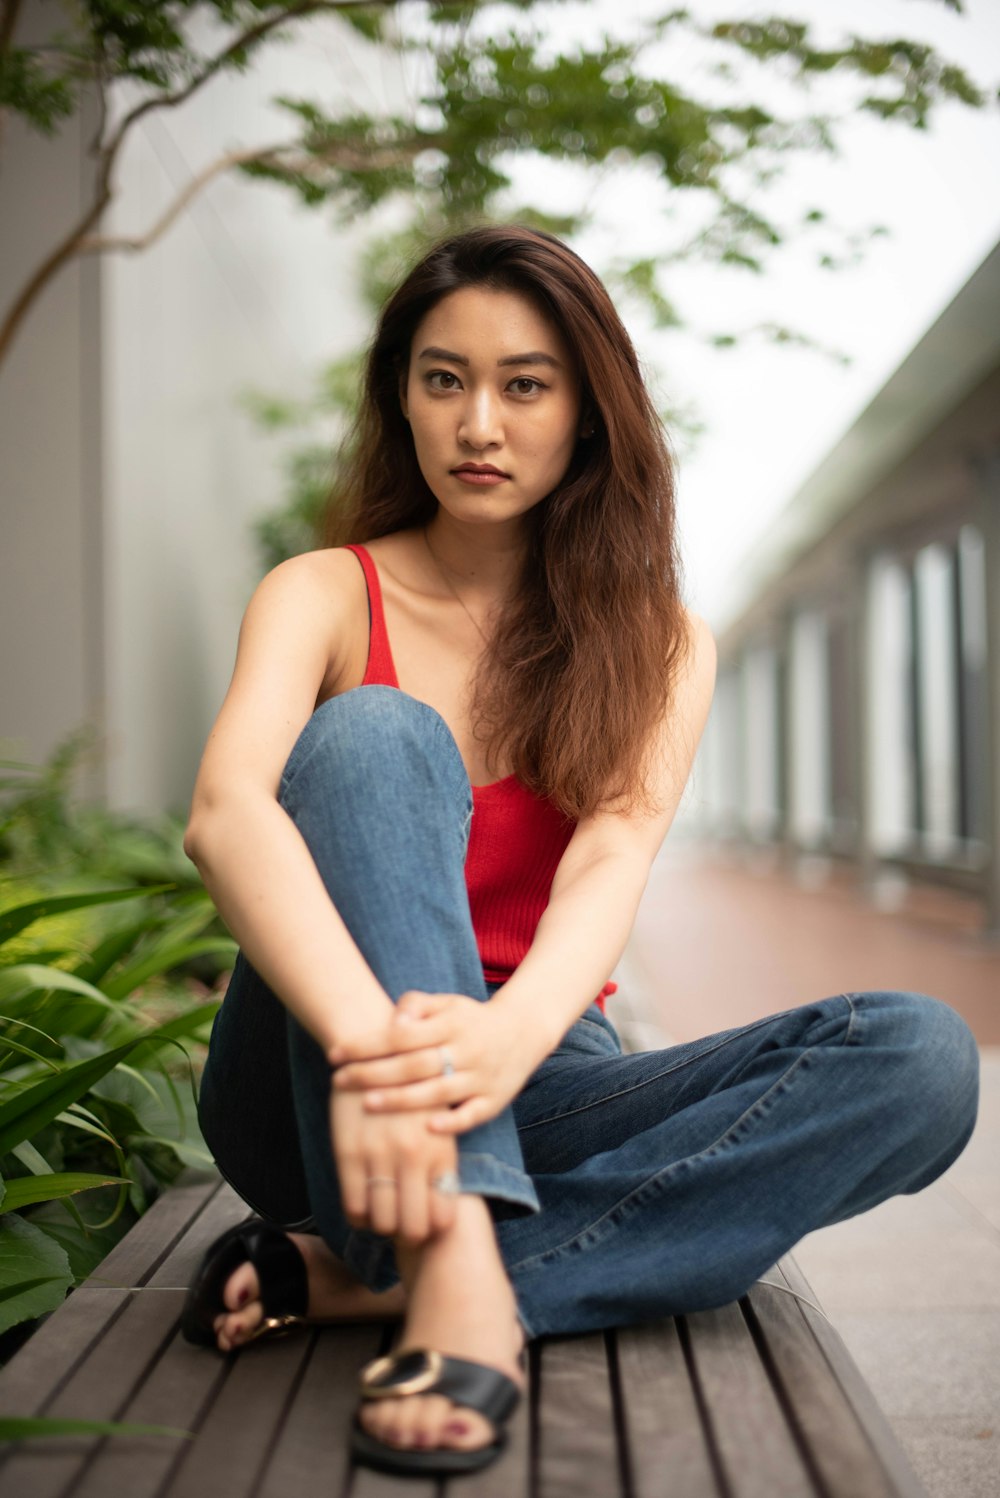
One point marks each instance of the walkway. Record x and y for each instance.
(914, 1286)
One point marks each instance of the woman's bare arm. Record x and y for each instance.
(602, 875)
(254, 862)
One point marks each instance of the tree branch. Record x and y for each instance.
(344, 158)
(107, 155)
(8, 20)
(249, 39)
(43, 275)
(93, 244)
(9, 11)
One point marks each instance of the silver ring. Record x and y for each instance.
(447, 1183)
(381, 1180)
(447, 1065)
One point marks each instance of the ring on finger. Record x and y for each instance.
(447, 1183)
(447, 1064)
(381, 1181)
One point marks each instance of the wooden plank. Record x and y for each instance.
(36, 1474)
(663, 1428)
(243, 1421)
(366, 1483)
(313, 1437)
(577, 1443)
(99, 1389)
(48, 1359)
(141, 1252)
(848, 1436)
(754, 1445)
(177, 1269)
(182, 1384)
(50, 1356)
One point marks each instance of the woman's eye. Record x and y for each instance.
(442, 379)
(524, 385)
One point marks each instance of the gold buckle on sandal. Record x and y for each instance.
(274, 1326)
(418, 1384)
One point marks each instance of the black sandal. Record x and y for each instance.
(284, 1286)
(485, 1390)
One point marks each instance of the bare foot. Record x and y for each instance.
(334, 1295)
(459, 1302)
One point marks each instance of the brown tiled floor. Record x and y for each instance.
(720, 941)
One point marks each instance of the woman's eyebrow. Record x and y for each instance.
(535, 357)
(442, 353)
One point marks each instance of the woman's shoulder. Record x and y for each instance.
(702, 650)
(317, 595)
(329, 578)
(319, 590)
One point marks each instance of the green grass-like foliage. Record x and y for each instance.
(110, 956)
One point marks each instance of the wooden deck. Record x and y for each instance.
(757, 1400)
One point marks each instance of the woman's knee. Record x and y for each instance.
(932, 1060)
(369, 740)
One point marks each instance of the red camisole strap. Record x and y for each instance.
(381, 668)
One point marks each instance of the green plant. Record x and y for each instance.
(103, 994)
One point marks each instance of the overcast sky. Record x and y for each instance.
(770, 414)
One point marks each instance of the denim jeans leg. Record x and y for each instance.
(377, 788)
(671, 1180)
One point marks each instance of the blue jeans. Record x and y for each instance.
(622, 1187)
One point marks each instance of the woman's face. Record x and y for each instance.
(492, 396)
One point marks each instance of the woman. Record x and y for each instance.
(449, 754)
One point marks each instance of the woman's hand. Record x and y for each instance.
(400, 1068)
(387, 1167)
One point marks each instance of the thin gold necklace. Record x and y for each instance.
(453, 590)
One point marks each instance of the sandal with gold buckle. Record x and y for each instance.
(281, 1270)
(472, 1385)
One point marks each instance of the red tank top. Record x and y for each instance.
(516, 838)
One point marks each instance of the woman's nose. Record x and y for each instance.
(481, 423)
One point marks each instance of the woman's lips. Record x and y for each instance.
(481, 477)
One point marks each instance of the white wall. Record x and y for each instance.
(937, 699)
(51, 669)
(890, 766)
(248, 289)
(762, 815)
(809, 723)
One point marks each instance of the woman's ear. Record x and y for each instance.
(402, 395)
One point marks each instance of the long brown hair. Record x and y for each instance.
(581, 665)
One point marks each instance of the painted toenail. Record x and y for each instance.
(244, 1296)
(456, 1428)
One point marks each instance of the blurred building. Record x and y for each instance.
(857, 711)
(129, 471)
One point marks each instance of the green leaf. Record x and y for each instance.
(85, 1247)
(163, 958)
(30, 977)
(34, 1106)
(30, 1109)
(34, 1272)
(183, 1026)
(22, 1429)
(32, 1159)
(24, 1050)
(26, 1190)
(15, 920)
